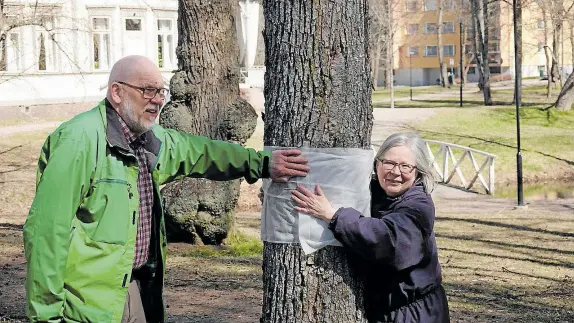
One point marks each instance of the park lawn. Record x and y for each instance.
(404, 91)
(546, 139)
(498, 264)
(505, 265)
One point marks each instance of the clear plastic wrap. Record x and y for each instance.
(344, 175)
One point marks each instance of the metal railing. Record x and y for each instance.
(444, 159)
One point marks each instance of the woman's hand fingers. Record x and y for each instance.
(305, 191)
(319, 190)
(300, 195)
(298, 200)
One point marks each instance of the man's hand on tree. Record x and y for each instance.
(286, 164)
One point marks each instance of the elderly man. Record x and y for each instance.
(95, 239)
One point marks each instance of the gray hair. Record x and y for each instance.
(417, 145)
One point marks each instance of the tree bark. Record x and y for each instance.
(205, 101)
(317, 94)
(566, 96)
(442, 66)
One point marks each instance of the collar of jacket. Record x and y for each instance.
(116, 137)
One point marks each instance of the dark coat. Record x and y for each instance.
(397, 253)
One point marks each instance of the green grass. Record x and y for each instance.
(404, 91)
(546, 139)
(237, 245)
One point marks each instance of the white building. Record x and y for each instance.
(67, 57)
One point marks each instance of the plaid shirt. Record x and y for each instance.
(145, 190)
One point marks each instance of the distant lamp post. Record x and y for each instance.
(411, 72)
(517, 12)
(461, 66)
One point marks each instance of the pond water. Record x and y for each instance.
(546, 191)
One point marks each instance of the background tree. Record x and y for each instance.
(479, 12)
(439, 29)
(566, 96)
(379, 37)
(205, 101)
(317, 94)
(21, 14)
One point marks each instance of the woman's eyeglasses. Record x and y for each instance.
(404, 168)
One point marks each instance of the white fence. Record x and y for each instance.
(444, 159)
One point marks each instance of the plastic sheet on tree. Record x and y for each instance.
(344, 175)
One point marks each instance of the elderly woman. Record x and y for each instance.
(397, 244)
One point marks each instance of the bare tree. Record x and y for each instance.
(479, 10)
(379, 37)
(442, 66)
(317, 94)
(205, 101)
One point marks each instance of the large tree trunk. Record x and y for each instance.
(205, 101)
(317, 94)
(442, 66)
(566, 96)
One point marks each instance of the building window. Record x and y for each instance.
(412, 29)
(165, 43)
(10, 53)
(448, 4)
(413, 51)
(412, 6)
(430, 28)
(540, 24)
(101, 42)
(46, 48)
(133, 24)
(430, 5)
(495, 70)
(448, 28)
(448, 50)
(493, 47)
(430, 50)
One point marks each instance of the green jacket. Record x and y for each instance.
(80, 234)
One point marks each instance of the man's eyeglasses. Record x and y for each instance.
(148, 92)
(404, 168)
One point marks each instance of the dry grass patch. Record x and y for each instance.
(509, 266)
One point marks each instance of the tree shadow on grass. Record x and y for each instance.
(507, 226)
(492, 302)
(490, 141)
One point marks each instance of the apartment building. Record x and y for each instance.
(416, 59)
